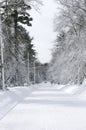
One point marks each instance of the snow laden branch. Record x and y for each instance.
(68, 63)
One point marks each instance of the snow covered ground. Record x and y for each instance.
(43, 107)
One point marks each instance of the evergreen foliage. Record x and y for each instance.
(17, 41)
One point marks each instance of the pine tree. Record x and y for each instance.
(16, 40)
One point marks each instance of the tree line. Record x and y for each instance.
(68, 64)
(19, 52)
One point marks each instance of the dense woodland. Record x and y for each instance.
(68, 64)
(19, 53)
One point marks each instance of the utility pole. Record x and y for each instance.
(2, 56)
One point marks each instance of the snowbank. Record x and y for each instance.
(9, 99)
(71, 89)
(46, 108)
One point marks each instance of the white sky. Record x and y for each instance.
(42, 30)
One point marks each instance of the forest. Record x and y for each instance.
(18, 57)
(36, 95)
(68, 64)
(19, 62)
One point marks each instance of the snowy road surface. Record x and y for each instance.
(46, 108)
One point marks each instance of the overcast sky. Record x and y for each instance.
(42, 30)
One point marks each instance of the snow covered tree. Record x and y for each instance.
(70, 52)
(40, 72)
(19, 68)
(17, 42)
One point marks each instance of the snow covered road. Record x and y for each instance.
(46, 108)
